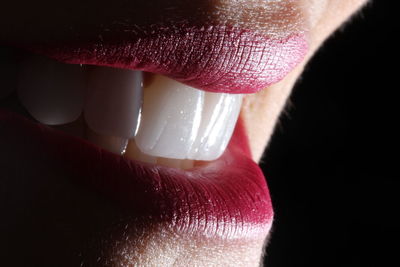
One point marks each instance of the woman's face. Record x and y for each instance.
(171, 199)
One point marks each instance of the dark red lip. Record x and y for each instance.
(215, 58)
(228, 198)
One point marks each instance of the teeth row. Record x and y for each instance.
(157, 122)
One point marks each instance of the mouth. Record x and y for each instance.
(152, 123)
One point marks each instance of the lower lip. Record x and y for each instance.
(227, 198)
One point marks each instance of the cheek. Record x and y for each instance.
(325, 16)
(260, 111)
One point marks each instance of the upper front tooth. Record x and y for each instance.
(185, 123)
(219, 117)
(52, 92)
(8, 72)
(170, 118)
(114, 101)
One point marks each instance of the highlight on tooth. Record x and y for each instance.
(181, 122)
(170, 118)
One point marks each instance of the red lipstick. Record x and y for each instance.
(215, 58)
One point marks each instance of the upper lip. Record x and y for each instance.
(220, 59)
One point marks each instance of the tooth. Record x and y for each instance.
(180, 122)
(219, 117)
(170, 118)
(114, 101)
(8, 72)
(113, 144)
(52, 92)
(133, 152)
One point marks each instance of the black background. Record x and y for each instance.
(332, 164)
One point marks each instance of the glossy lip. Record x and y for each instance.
(226, 199)
(220, 59)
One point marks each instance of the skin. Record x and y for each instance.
(54, 229)
(325, 17)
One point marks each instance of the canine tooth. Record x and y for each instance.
(114, 101)
(8, 72)
(218, 121)
(170, 119)
(52, 92)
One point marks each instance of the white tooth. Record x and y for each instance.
(52, 92)
(8, 72)
(114, 101)
(170, 119)
(180, 122)
(220, 114)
